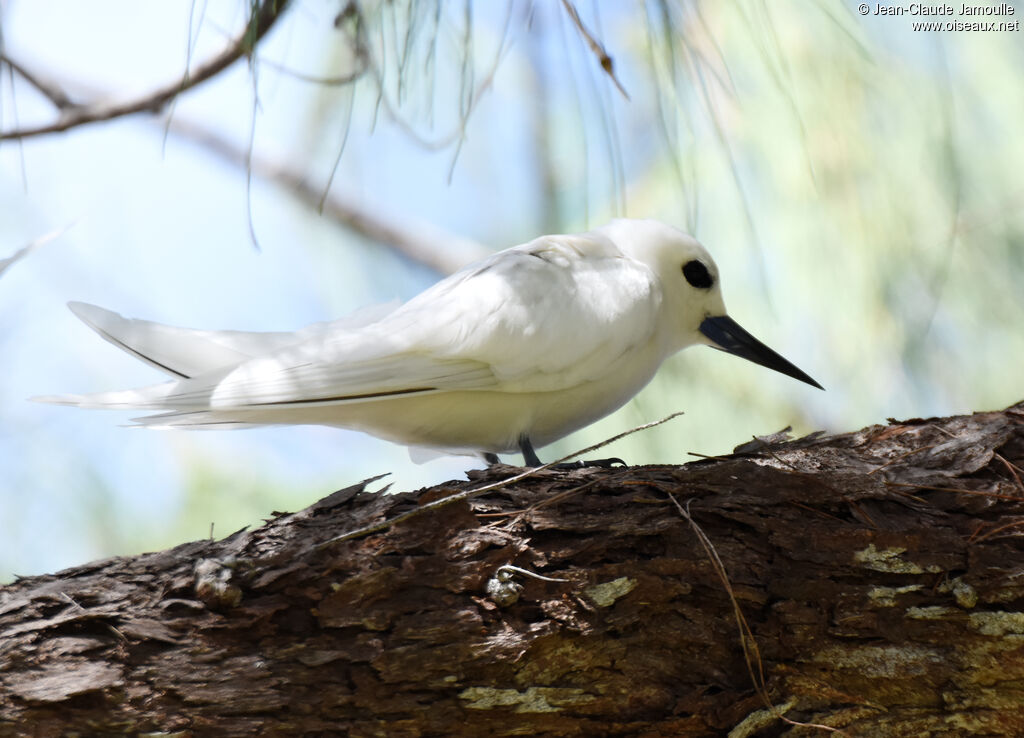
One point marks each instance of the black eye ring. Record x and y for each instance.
(697, 275)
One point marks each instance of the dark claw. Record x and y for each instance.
(531, 459)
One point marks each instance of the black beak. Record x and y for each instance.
(727, 335)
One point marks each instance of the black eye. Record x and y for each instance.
(697, 274)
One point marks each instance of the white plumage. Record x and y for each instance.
(516, 350)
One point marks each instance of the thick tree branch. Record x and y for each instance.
(73, 115)
(869, 583)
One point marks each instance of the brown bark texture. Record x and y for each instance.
(871, 582)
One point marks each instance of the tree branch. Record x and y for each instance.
(25, 250)
(420, 242)
(48, 88)
(863, 584)
(264, 16)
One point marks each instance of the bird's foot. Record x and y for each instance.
(530, 457)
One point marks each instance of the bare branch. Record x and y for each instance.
(49, 89)
(72, 116)
(420, 242)
(335, 81)
(31, 246)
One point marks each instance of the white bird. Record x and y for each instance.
(509, 354)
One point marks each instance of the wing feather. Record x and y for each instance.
(187, 352)
(545, 316)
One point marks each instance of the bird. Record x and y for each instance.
(507, 355)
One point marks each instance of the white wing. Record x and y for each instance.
(186, 352)
(544, 316)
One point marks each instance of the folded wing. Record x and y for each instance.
(542, 317)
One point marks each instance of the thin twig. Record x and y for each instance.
(526, 572)
(751, 653)
(976, 538)
(48, 88)
(358, 41)
(418, 241)
(557, 497)
(565, 493)
(423, 243)
(337, 81)
(32, 246)
(1013, 470)
(712, 457)
(260, 22)
(607, 63)
(78, 607)
(958, 490)
(900, 458)
(471, 493)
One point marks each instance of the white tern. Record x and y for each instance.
(511, 353)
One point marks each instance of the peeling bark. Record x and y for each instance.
(881, 574)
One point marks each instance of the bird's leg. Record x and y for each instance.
(529, 455)
(531, 458)
(491, 459)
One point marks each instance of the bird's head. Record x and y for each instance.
(692, 306)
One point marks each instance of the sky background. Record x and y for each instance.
(857, 181)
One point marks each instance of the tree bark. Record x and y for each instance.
(880, 574)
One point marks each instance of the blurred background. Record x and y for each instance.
(858, 181)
